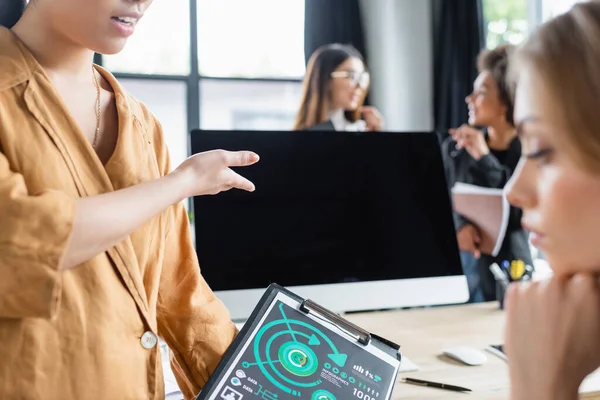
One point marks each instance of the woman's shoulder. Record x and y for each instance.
(135, 106)
(15, 68)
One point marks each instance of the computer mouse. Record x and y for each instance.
(466, 355)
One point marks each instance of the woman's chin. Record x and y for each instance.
(475, 120)
(110, 47)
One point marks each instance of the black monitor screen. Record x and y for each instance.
(329, 207)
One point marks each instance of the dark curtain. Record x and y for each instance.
(333, 21)
(459, 37)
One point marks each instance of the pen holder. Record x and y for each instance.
(502, 281)
(500, 293)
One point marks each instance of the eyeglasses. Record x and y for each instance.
(361, 79)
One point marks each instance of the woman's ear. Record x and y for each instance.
(504, 113)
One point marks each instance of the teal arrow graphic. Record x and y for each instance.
(339, 359)
(314, 340)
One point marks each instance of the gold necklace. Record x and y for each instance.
(97, 108)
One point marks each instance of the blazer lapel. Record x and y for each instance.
(323, 126)
(514, 154)
(88, 174)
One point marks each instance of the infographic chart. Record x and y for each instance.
(291, 356)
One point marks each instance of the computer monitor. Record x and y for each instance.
(353, 221)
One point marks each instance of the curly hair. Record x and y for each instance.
(496, 62)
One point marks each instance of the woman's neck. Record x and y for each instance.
(501, 135)
(59, 56)
(334, 111)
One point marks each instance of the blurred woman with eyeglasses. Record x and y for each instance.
(485, 152)
(335, 87)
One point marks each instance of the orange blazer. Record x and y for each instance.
(90, 332)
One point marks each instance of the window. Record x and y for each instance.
(169, 108)
(161, 43)
(506, 21)
(251, 38)
(553, 8)
(251, 105)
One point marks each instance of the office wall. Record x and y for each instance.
(400, 49)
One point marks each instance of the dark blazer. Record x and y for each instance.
(489, 172)
(323, 126)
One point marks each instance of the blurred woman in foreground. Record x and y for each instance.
(553, 327)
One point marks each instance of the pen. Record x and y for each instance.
(435, 385)
(528, 273)
(499, 275)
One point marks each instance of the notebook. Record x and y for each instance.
(488, 209)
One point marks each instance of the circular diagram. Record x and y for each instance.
(288, 353)
(298, 359)
(322, 395)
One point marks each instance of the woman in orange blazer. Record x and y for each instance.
(96, 260)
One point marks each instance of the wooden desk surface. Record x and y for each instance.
(422, 333)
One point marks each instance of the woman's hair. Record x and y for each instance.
(496, 63)
(11, 11)
(564, 54)
(317, 82)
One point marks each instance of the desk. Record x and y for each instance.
(422, 333)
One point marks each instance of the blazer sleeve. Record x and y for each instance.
(489, 172)
(191, 319)
(35, 229)
(449, 170)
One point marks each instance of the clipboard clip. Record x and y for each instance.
(361, 335)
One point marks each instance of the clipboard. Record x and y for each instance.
(292, 348)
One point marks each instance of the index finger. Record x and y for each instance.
(239, 182)
(240, 158)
